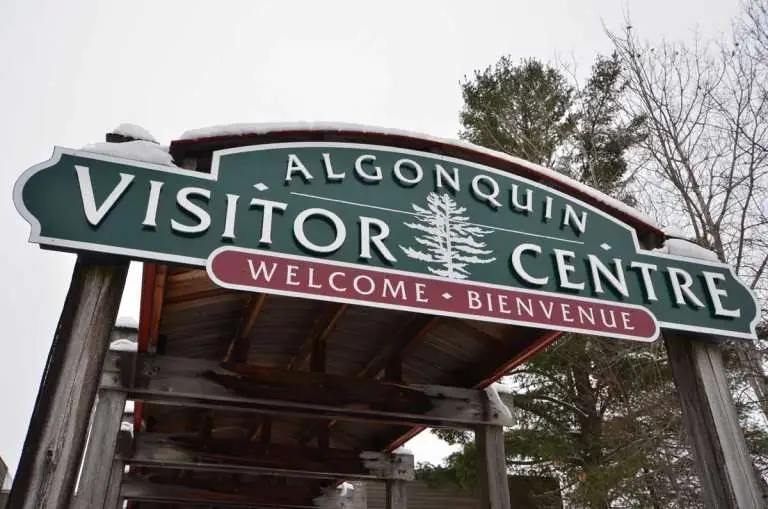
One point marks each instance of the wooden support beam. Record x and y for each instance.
(231, 456)
(492, 468)
(53, 448)
(388, 358)
(322, 328)
(397, 495)
(241, 342)
(248, 495)
(112, 498)
(727, 476)
(492, 464)
(103, 437)
(158, 299)
(317, 365)
(199, 383)
(95, 477)
(416, 328)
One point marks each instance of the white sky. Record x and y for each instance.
(72, 70)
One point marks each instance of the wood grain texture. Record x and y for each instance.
(397, 495)
(492, 465)
(198, 383)
(225, 495)
(728, 479)
(232, 456)
(56, 437)
(102, 442)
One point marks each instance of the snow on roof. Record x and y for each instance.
(674, 231)
(497, 406)
(134, 131)
(264, 128)
(124, 345)
(127, 322)
(679, 247)
(140, 150)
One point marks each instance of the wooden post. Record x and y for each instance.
(102, 442)
(112, 499)
(492, 464)
(53, 448)
(397, 496)
(726, 474)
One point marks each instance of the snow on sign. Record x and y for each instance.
(387, 227)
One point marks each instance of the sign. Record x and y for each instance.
(384, 227)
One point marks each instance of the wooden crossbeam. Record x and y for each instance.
(238, 348)
(323, 326)
(388, 358)
(231, 456)
(414, 331)
(249, 495)
(199, 383)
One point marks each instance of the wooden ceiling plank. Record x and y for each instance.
(185, 382)
(241, 342)
(390, 353)
(415, 330)
(322, 328)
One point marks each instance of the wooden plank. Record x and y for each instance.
(55, 440)
(113, 498)
(492, 468)
(251, 495)
(94, 479)
(415, 330)
(158, 299)
(322, 328)
(492, 465)
(103, 439)
(241, 342)
(727, 476)
(390, 355)
(397, 495)
(200, 383)
(232, 456)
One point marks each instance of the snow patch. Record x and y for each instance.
(345, 496)
(127, 322)
(500, 411)
(265, 128)
(675, 232)
(124, 345)
(134, 131)
(129, 407)
(679, 247)
(140, 150)
(501, 387)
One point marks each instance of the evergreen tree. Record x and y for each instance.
(599, 414)
(519, 109)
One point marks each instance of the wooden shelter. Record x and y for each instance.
(266, 401)
(210, 424)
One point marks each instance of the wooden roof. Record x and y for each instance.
(184, 314)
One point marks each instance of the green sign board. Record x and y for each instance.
(384, 227)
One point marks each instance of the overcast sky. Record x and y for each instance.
(72, 70)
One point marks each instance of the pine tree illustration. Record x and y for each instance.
(449, 239)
